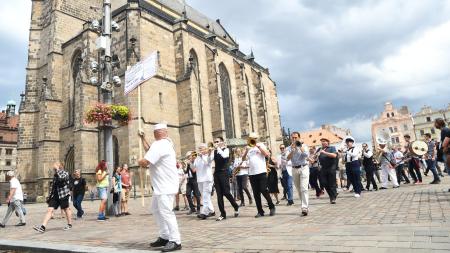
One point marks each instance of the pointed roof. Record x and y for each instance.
(197, 17)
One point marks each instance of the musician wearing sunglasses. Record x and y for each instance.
(298, 155)
(222, 179)
(256, 154)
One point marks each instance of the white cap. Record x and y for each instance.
(253, 135)
(202, 145)
(160, 126)
(10, 173)
(349, 138)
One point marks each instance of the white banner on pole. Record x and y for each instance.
(141, 72)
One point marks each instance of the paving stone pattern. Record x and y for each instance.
(408, 219)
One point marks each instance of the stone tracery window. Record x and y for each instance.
(226, 100)
(75, 68)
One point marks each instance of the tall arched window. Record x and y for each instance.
(75, 68)
(226, 100)
(193, 62)
(249, 104)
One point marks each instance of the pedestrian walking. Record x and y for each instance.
(78, 191)
(14, 200)
(241, 176)
(117, 191)
(58, 197)
(126, 180)
(328, 159)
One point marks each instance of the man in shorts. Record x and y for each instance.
(58, 197)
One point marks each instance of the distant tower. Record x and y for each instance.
(11, 108)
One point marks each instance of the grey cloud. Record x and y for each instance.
(317, 39)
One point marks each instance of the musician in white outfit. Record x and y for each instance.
(387, 163)
(161, 158)
(202, 165)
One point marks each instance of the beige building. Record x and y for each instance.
(335, 134)
(424, 121)
(205, 86)
(396, 122)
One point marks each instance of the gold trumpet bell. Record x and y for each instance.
(251, 142)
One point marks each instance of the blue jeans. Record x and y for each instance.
(431, 165)
(77, 204)
(288, 182)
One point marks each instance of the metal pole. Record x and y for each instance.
(107, 99)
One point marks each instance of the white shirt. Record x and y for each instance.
(256, 161)
(181, 175)
(351, 154)
(398, 157)
(368, 153)
(244, 168)
(163, 167)
(15, 184)
(203, 165)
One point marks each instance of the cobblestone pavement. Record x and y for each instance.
(408, 219)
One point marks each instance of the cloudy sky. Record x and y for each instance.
(335, 62)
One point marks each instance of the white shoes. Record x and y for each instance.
(357, 196)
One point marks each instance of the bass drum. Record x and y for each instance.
(419, 148)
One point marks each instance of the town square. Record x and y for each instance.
(224, 126)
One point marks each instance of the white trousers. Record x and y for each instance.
(385, 172)
(301, 182)
(165, 218)
(206, 188)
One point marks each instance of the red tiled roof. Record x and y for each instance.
(11, 122)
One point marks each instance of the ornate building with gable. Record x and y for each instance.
(205, 86)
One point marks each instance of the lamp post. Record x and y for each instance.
(106, 65)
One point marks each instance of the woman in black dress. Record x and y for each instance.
(272, 177)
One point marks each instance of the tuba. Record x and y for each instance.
(383, 137)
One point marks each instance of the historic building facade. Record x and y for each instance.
(205, 86)
(333, 133)
(395, 122)
(424, 121)
(8, 139)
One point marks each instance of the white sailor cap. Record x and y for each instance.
(10, 173)
(349, 138)
(160, 126)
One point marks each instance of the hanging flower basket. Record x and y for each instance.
(104, 114)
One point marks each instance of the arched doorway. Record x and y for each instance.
(69, 161)
(226, 101)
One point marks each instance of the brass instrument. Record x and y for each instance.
(251, 142)
(236, 171)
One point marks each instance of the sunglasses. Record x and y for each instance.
(216, 141)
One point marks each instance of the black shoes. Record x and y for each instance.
(236, 213)
(436, 182)
(258, 215)
(212, 214)
(159, 243)
(333, 201)
(21, 224)
(191, 212)
(304, 212)
(2, 225)
(290, 203)
(383, 188)
(272, 211)
(171, 246)
(202, 216)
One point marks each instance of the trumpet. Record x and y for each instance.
(251, 142)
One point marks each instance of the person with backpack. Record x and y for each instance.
(388, 164)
